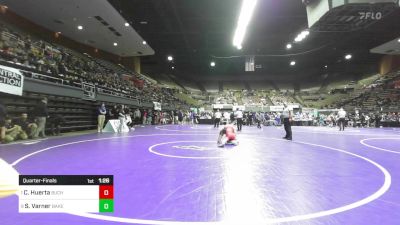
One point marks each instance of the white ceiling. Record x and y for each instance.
(82, 12)
(389, 48)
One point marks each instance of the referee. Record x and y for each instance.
(239, 119)
(217, 118)
(287, 118)
(342, 119)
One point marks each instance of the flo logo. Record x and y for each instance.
(370, 15)
(193, 147)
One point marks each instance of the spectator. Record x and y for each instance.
(144, 122)
(13, 132)
(41, 114)
(101, 117)
(128, 118)
(3, 114)
(150, 115)
(121, 117)
(28, 128)
(180, 117)
(137, 116)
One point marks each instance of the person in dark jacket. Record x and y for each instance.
(41, 114)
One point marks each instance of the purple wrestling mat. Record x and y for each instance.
(177, 175)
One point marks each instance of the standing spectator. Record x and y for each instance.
(367, 120)
(155, 117)
(377, 120)
(250, 119)
(121, 117)
(41, 113)
(180, 116)
(144, 122)
(150, 115)
(362, 119)
(28, 128)
(176, 117)
(173, 117)
(115, 111)
(259, 119)
(3, 114)
(101, 117)
(137, 116)
(232, 117)
(192, 117)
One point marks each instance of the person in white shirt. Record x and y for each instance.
(239, 119)
(287, 118)
(217, 118)
(341, 121)
(227, 116)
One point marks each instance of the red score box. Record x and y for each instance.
(106, 191)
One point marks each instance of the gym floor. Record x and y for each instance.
(170, 175)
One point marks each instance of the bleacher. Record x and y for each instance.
(211, 86)
(233, 85)
(260, 85)
(79, 114)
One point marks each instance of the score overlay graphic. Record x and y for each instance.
(66, 193)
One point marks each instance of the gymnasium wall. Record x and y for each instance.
(389, 63)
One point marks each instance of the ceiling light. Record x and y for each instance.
(326, 66)
(127, 24)
(212, 64)
(144, 42)
(245, 15)
(173, 67)
(292, 63)
(348, 56)
(170, 58)
(289, 46)
(115, 43)
(302, 35)
(398, 40)
(80, 27)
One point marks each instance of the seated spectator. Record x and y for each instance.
(13, 132)
(28, 127)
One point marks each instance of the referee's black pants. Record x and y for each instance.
(239, 123)
(216, 122)
(341, 123)
(288, 128)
